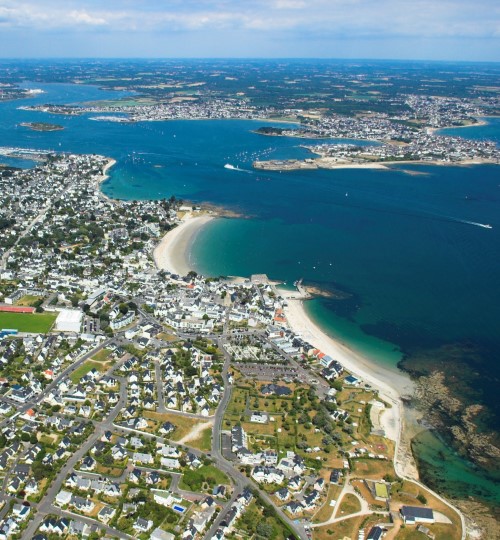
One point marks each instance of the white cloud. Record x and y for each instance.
(334, 18)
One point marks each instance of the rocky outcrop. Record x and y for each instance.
(456, 419)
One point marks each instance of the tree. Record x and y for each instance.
(264, 529)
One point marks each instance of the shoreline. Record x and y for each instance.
(399, 422)
(392, 385)
(103, 177)
(330, 164)
(480, 122)
(172, 253)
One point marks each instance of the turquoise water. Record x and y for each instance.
(447, 472)
(417, 270)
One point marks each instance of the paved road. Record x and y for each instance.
(239, 479)
(159, 388)
(22, 408)
(45, 506)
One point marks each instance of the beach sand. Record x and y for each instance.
(392, 383)
(102, 178)
(172, 252)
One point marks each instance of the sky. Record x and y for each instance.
(392, 29)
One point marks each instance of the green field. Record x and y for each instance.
(39, 323)
(209, 474)
(102, 355)
(82, 370)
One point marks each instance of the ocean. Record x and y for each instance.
(404, 249)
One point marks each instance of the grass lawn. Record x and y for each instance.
(325, 512)
(38, 323)
(374, 469)
(237, 404)
(167, 337)
(348, 505)
(253, 428)
(183, 424)
(27, 300)
(102, 355)
(347, 528)
(194, 480)
(82, 370)
(114, 472)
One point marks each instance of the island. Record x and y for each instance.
(42, 126)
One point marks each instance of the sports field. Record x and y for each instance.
(28, 322)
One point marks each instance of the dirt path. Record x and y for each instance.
(196, 432)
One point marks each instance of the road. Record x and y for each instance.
(159, 388)
(239, 479)
(46, 504)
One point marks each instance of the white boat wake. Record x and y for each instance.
(233, 168)
(483, 225)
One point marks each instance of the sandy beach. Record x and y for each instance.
(171, 254)
(390, 383)
(102, 178)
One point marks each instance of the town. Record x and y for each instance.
(136, 403)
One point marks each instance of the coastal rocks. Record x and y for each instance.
(456, 420)
(483, 524)
(335, 294)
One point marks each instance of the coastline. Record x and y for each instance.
(399, 422)
(391, 384)
(171, 254)
(480, 122)
(103, 177)
(332, 163)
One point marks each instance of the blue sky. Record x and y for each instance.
(418, 29)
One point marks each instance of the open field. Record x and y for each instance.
(207, 475)
(204, 441)
(373, 469)
(102, 355)
(85, 368)
(347, 528)
(348, 505)
(27, 300)
(326, 511)
(39, 323)
(183, 424)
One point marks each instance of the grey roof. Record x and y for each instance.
(412, 512)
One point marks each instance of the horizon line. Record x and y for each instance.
(236, 58)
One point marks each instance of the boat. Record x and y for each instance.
(232, 167)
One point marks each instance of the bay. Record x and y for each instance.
(405, 246)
